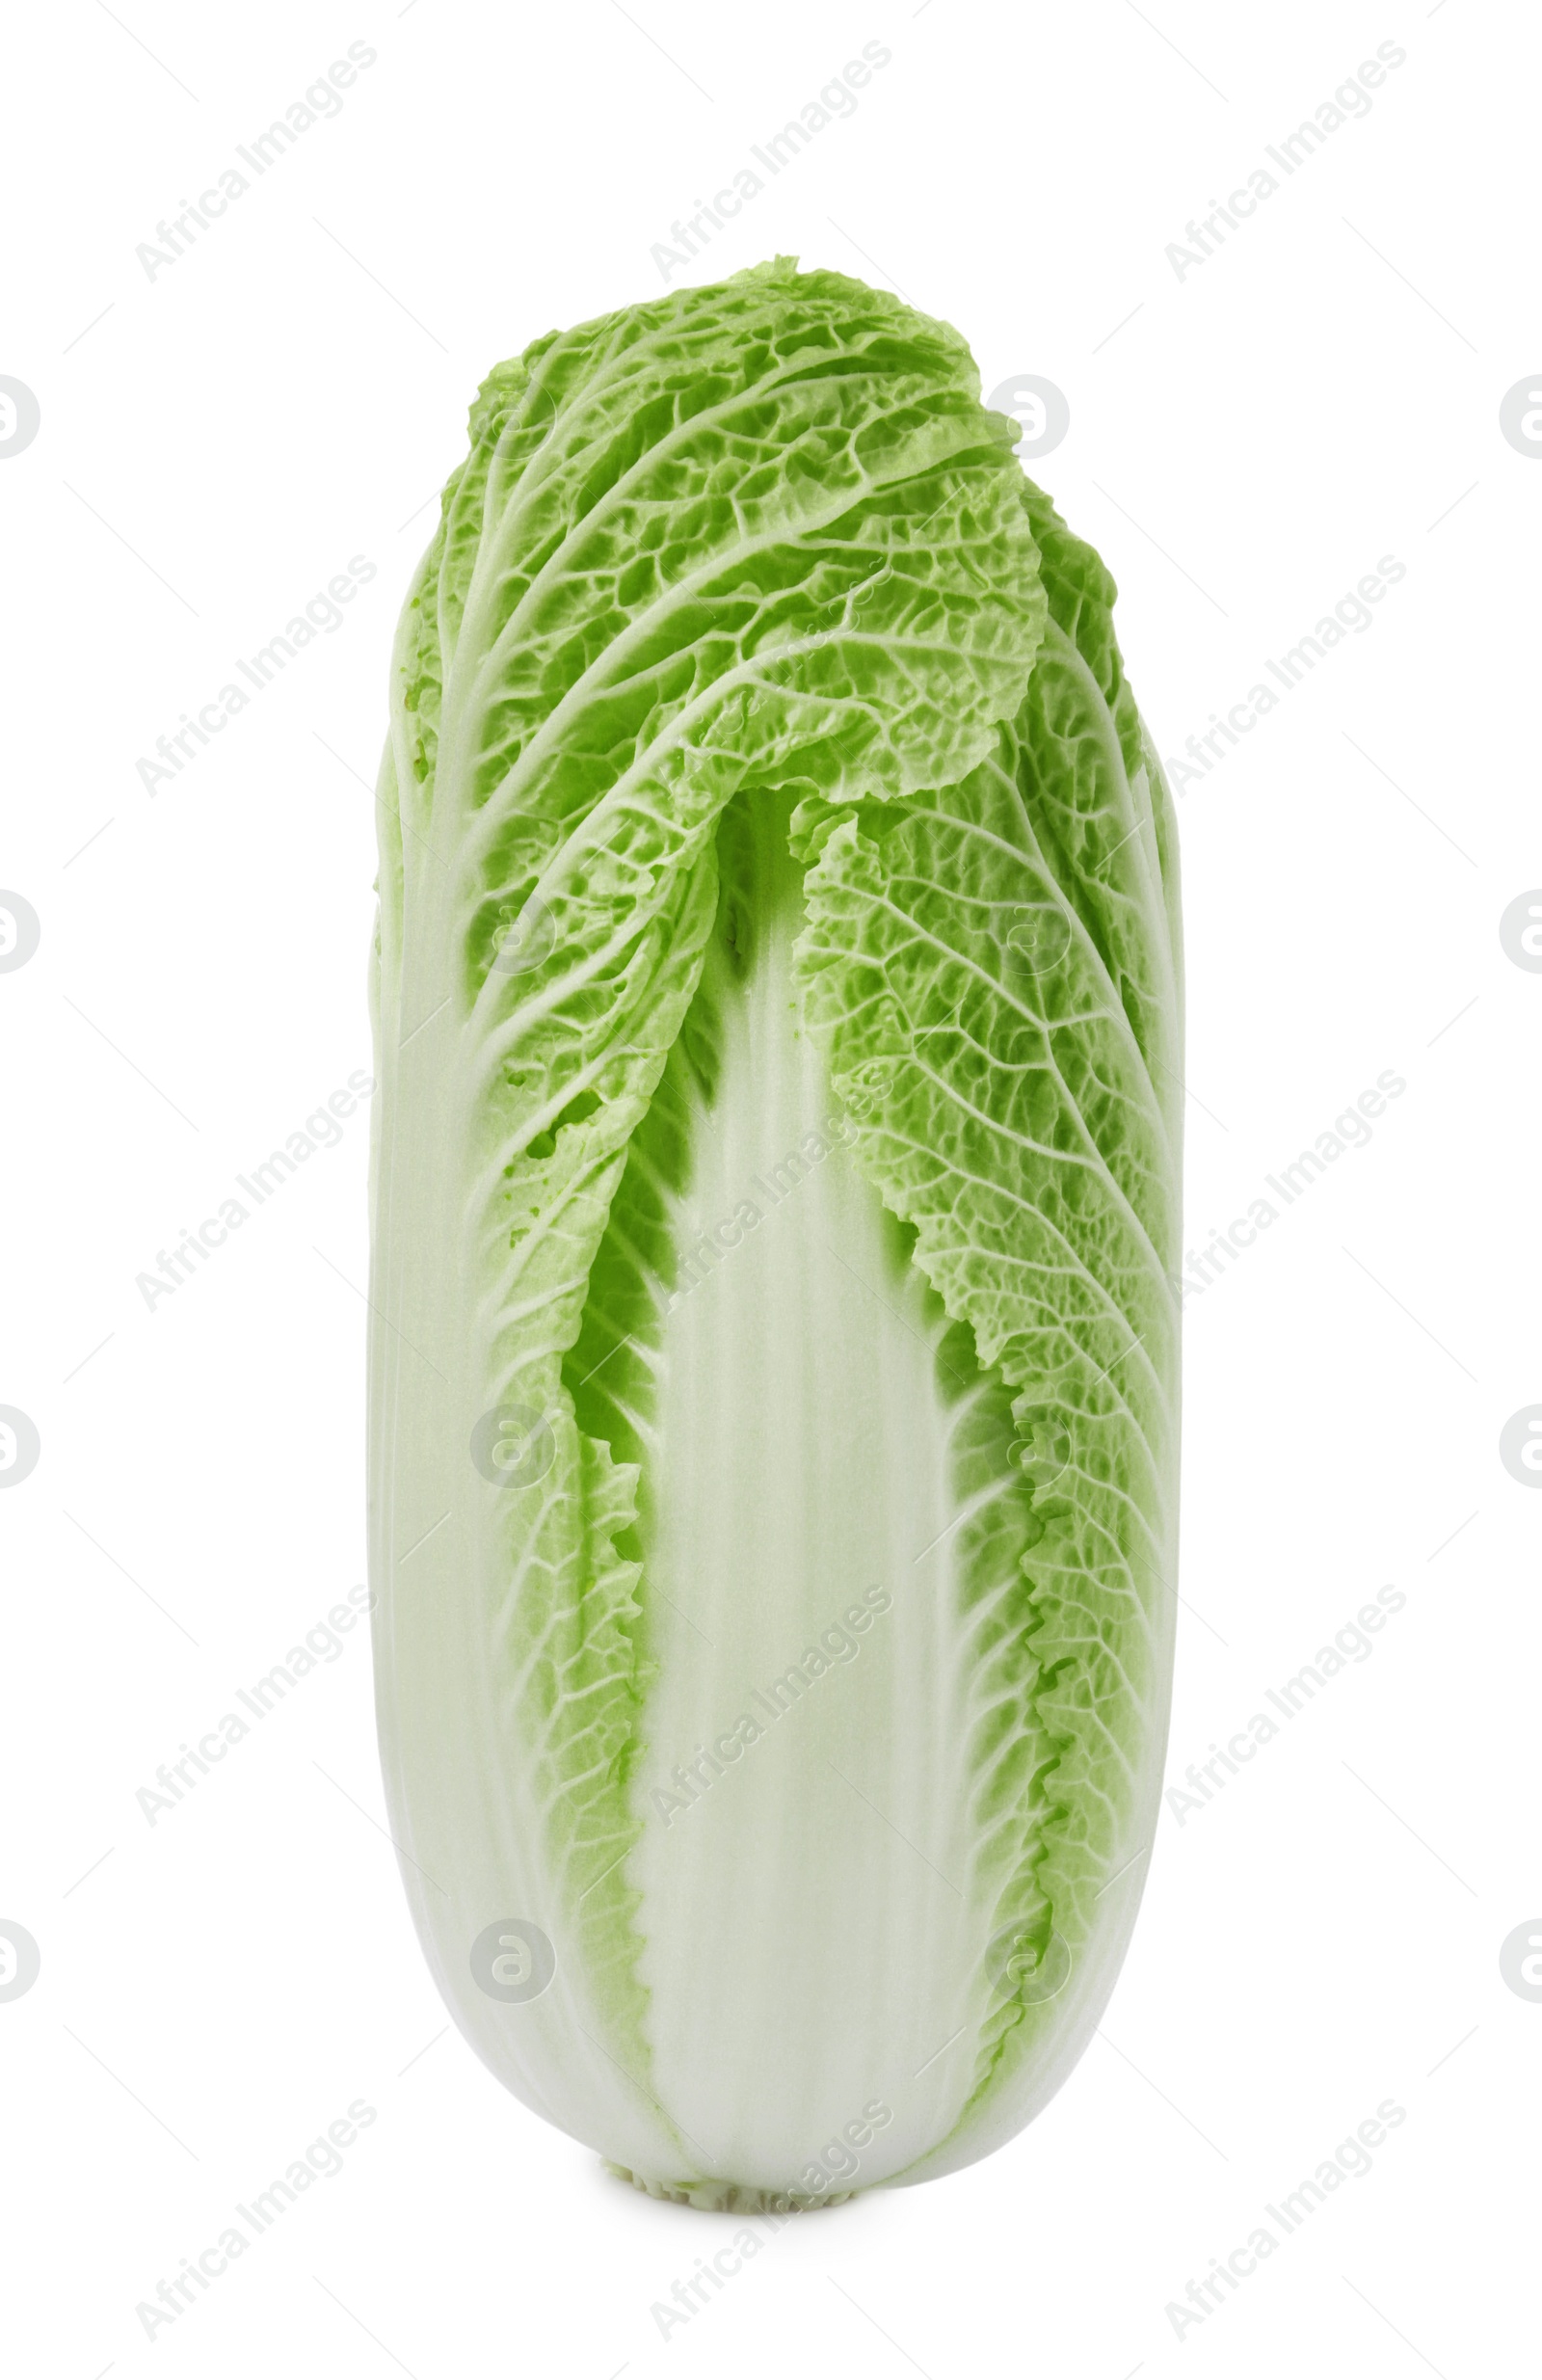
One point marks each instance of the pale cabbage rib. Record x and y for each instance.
(1099, 1574)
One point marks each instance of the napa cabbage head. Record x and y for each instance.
(774, 1363)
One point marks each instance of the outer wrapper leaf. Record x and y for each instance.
(757, 533)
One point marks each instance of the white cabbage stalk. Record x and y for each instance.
(774, 1359)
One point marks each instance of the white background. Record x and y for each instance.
(1245, 443)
